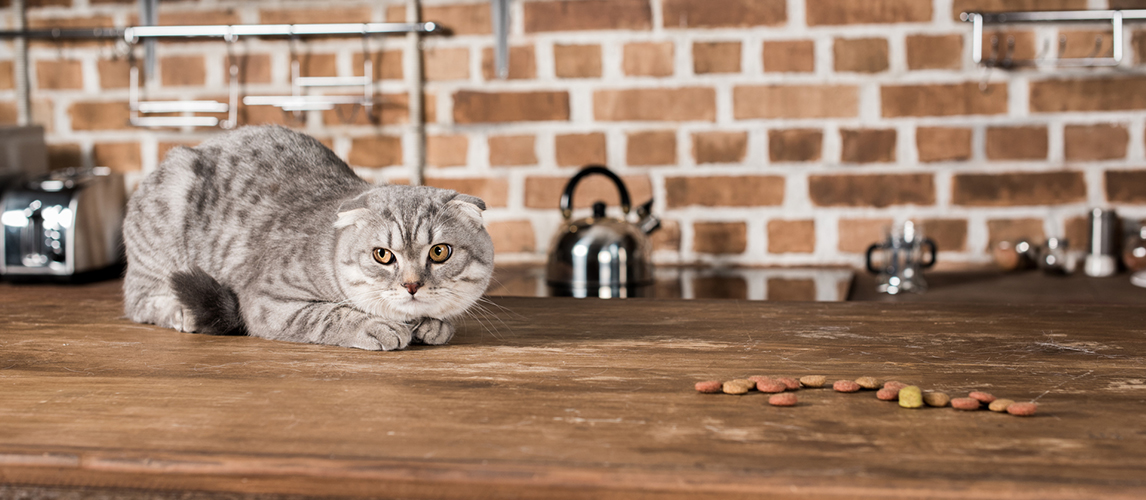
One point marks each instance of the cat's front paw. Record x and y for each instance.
(381, 336)
(433, 331)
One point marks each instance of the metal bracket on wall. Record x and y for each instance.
(1001, 52)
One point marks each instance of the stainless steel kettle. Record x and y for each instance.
(601, 256)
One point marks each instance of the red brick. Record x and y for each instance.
(943, 99)
(1082, 43)
(578, 15)
(182, 71)
(100, 115)
(667, 237)
(522, 64)
(791, 236)
(719, 147)
(165, 147)
(512, 150)
(1095, 142)
(795, 101)
(1138, 42)
(119, 156)
(836, 12)
(871, 190)
(1018, 189)
(309, 16)
(545, 192)
(7, 81)
(59, 74)
(792, 56)
(460, 19)
(719, 286)
(792, 289)
(577, 61)
(961, 6)
(720, 237)
(724, 191)
(715, 57)
(724, 13)
(1125, 186)
(868, 145)
(514, 236)
(502, 107)
(446, 63)
(655, 104)
(1077, 232)
(447, 150)
(388, 109)
(195, 17)
(1015, 230)
(1017, 143)
(64, 156)
(375, 151)
(115, 73)
(1018, 44)
(795, 145)
(386, 64)
(935, 52)
(943, 144)
(493, 191)
(648, 59)
(311, 64)
(1091, 94)
(264, 115)
(8, 113)
(575, 150)
(253, 68)
(949, 235)
(856, 235)
(656, 147)
(860, 55)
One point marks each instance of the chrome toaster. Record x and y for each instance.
(63, 225)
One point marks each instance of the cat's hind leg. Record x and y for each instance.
(149, 300)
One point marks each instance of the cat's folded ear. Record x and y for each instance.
(470, 206)
(352, 212)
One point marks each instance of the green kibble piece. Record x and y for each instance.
(911, 397)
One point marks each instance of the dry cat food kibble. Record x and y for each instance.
(911, 397)
(868, 382)
(738, 386)
(894, 384)
(982, 397)
(887, 394)
(791, 383)
(965, 403)
(710, 387)
(936, 399)
(771, 386)
(760, 379)
(782, 399)
(1022, 409)
(1000, 405)
(813, 380)
(845, 386)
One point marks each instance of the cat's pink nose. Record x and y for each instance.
(412, 287)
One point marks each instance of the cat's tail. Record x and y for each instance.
(214, 306)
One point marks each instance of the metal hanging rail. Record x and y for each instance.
(136, 33)
(1116, 18)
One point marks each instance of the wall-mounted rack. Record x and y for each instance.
(1001, 57)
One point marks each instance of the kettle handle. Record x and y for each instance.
(567, 195)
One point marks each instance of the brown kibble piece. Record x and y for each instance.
(965, 403)
(782, 399)
(895, 384)
(983, 397)
(760, 379)
(1022, 409)
(813, 380)
(710, 387)
(936, 399)
(869, 382)
(791, 383)
(887, 394)
(771, 386)
(1000, 405)
(845, 386)
(738, 386)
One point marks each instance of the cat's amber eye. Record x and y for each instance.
(440, 252)
(383, 256)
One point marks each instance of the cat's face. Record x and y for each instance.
(406, 253)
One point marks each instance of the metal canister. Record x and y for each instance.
(1105, 243)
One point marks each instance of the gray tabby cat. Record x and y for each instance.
(264, 231)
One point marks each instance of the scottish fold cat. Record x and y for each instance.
(264, 231)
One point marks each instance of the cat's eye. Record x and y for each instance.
(440, 253)
(383, 256)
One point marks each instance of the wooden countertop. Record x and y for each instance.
(565, 398)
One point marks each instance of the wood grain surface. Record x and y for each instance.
(564, 398)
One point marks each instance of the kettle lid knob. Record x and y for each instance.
(599, 210)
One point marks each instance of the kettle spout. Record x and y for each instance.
(647, 222)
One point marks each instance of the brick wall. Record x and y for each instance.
(770, 132)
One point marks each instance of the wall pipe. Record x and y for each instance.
(414, 80)
(20, 68)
